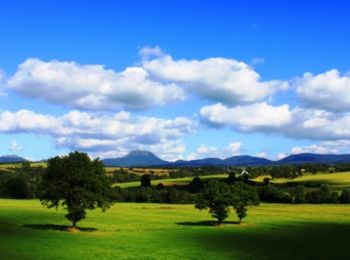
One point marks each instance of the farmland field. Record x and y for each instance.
(159, 231)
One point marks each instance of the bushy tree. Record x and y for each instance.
(244, 196)
(76, 183)
(344, 196)
(146, 181)
(16, 187)
(298, 194)
(217, 196)
(195, 185)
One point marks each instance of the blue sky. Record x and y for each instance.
(189, 79)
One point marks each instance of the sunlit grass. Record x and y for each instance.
(161, 231)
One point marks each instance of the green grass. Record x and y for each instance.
(336, 181)
(158, 231)
(169, 182)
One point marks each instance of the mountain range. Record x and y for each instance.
(141, 158)
(146, 159)
(11, 159)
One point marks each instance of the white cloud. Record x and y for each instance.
(204, 151)
(262, 155)
(329, 90)
(328, 147)
(223, 80)
(251, 118)
(298, 123)
(15, 147)
(149, 52)
(97, 133)
(91, 87)
(280, 156)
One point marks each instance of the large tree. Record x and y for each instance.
(218, 196)
(77, 183)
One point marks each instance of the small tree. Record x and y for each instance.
(344, 196)
(244, 196)
(216, 196)
(76, 183)
(195, 185)
(146, 181)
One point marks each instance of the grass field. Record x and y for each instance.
(169, 182)
(158, 231)
(336, 181)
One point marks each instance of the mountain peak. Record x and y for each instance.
(11, 158)
(135, 158)
(139, 153)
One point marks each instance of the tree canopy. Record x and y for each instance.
(219, 197)
(77, 183)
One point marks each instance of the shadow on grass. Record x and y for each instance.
(57, 227)
(281, 241)
(211, 223)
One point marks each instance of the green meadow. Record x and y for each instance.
(159, 231)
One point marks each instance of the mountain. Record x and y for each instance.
(244, 160)
(11, 159)
(196, 163)
(135, 158)
(144, 159)
(303, 158)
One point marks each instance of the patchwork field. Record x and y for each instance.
(169, 182)
(158, 231)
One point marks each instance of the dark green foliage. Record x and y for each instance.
(21, 182)
(298, 194)
(345, 196)
(231, 179)
(16, 187)
(146, 181)
(76, 183)
(270, 193)
(195, 185)
(244, 196)
(323, 195)
(266, 181)
(216, 196)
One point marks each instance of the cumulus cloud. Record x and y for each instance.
(296, 123)
(97, 133)
(328, 147)
(329, 90)
(223, 80)
(204, 151)
(251, 118)
(91, 87)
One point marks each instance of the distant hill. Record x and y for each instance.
(146, 159)
(134, 159)
(244, 160)
(11, 159)
(303, 158)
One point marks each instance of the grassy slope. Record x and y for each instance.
(337, 181)
(148, 231)
(168, 182)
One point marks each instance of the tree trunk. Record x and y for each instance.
(74, 224)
